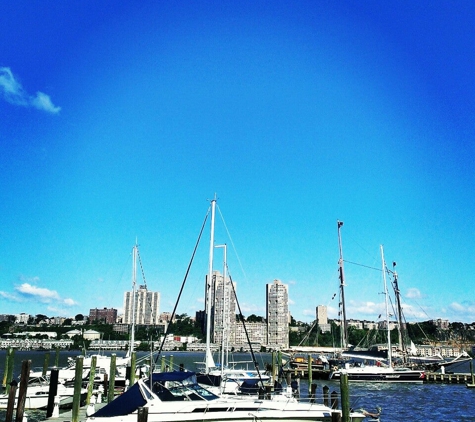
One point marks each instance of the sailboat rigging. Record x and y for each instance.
(344, 330)
(378, 370)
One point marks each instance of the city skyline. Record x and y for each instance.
(121, 121)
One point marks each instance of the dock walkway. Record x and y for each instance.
(68, 415)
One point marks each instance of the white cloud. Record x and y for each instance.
(42, 101)
(69, 302)
(40, 293)
(14, 93)
(9, 296)
(413, 293)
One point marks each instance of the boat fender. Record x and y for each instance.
(55, 413)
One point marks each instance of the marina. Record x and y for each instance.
(443, 396)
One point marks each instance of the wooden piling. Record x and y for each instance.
(345, 397)
(309, 359)
(56, 358)
(90, 384)
(77, 389)
(142, 414)
(106, 385)
(46, 364)
(162, 364)
(52, 392)
(110, 396)
(336, 416)
(171, 362)
(313, 390)
(334, 400)
(133, 365)
(11, 401)
(25, 374)
(326, 396)
(8, 377)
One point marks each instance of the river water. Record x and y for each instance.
(399, 402)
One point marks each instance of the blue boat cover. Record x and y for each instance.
(132, 399)
(124, 404)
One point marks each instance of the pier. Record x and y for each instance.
(439, 378)
(431, 377)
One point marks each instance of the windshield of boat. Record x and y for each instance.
(182, 390)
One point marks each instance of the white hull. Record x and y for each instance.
(177, 398)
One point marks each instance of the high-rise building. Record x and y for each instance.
(322, 319)
(147, 307)
(109, 316)
(277, 313)
(223, 309)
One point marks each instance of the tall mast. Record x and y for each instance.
(344, 328)
(390, 352)
(399, 312)
(209, 284)
(134, 280)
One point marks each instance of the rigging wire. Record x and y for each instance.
(232, 242)
(362, 265)
(241, 317)
(182, 285)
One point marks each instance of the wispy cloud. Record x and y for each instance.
(413, 293)
(40, 293)
(69, 302)
(13, 92)
(9, 296)
(29, 291)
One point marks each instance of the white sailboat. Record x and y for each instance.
(378, 369)
(222, 379)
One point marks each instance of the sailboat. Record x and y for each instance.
(380, 369)
(177, 396)
(222, 379)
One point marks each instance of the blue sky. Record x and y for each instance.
(120, 120)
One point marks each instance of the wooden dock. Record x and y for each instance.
(67, 416)
(439, 378)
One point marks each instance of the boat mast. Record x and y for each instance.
(390, 352)
(209, 284)
(344, 328)
(134, 280)
(399, 312)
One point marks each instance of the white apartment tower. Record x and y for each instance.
(277, 313)
(147, 307)
(322, 319)
(223, 309)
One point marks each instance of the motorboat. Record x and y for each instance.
(177, 397)
(37, 394)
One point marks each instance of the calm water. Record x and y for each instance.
(400, 402)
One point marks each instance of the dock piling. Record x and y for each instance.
(25, 374)
(52, 392)
(110, 396)
(77, 389)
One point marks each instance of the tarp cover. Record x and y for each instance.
(132, 399)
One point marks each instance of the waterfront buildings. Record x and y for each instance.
(147, 307)
(107, 315)
(223, 309)
(322, 319)
(277, 315)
